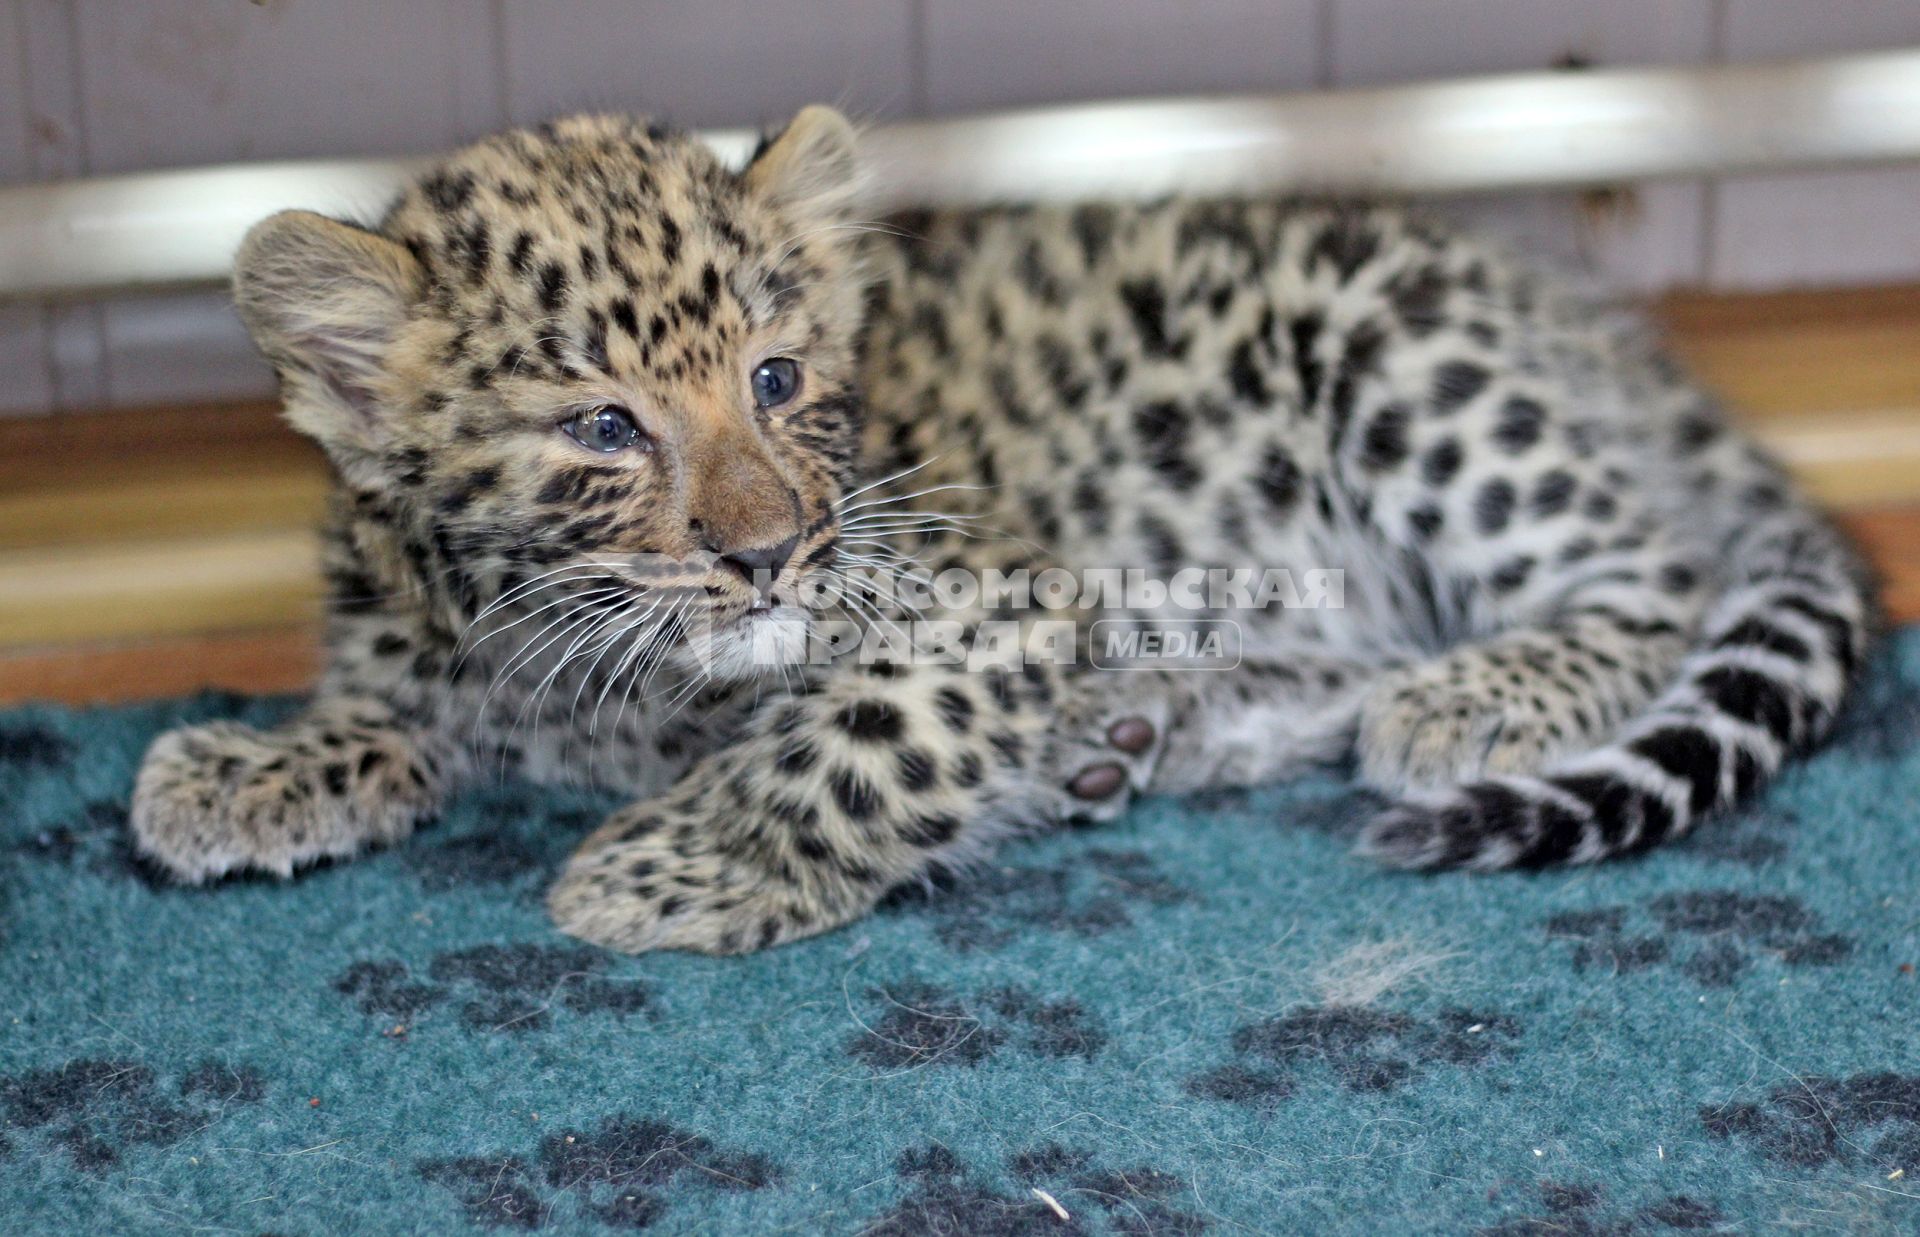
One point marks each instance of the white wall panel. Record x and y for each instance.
(40, 112)
(182, 82)
(25, 384)
(179, 348)
(711, 62)
(1647, 239)
(174, 82)
(983, 54)
(1374, 41)
(1659, 240)
(1817, 229)
(1656, 240)
(1769, 29)
(16, 120)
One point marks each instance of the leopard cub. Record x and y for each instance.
(620, 432)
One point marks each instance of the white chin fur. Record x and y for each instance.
(757, 644)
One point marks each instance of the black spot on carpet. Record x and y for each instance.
(1815, 1120)
(945, 1195)
(1579, 1209)
(508, 988)
(95, 1110)
(624, 1173)
(1362, 1048)
(34, 749)
(919, 1025)
(991, 908)
(94, 839)
(1712, 935)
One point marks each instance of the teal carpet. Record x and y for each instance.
(1205, 1019)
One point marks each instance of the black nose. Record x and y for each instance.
(761, 567)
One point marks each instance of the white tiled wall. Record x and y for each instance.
(26, 385)
(99, 86)
(709, 62)
(1654, 239)
(983, 54)
(168, 82)
(1845, 227)
(1841, 227)
(1375, 41)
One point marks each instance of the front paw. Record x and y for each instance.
(222, 798)
(645, 881)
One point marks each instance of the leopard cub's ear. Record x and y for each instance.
(324, 300)
(811, 169)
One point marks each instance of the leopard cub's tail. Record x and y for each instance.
(1777, 652)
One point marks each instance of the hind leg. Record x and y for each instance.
(1515, 703)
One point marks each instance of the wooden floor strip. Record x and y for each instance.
(275, 660)
(286, 659)
(69, 594)
(162, 506)
(1801, 353)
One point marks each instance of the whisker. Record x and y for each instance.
(997, 534)
(629, 621)
(527, 652)
(536, 699)
(511, 594)
(653, 654)
(889, 517)
(580, 614)
(646, 649)
(937, 489)
(686, 694)
(901, 566)
(543, 608)
(905, 472)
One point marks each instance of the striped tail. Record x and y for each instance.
(1779, 649)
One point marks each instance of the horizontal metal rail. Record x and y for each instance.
(1530, 130)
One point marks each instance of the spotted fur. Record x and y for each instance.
(1580, 612)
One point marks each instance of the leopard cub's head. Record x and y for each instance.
(588, 364)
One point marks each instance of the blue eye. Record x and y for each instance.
(776, 382)
(605, 429)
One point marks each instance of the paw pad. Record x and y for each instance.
(1131, 735)
(1099, 782)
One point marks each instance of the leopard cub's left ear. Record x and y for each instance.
(811, 169)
